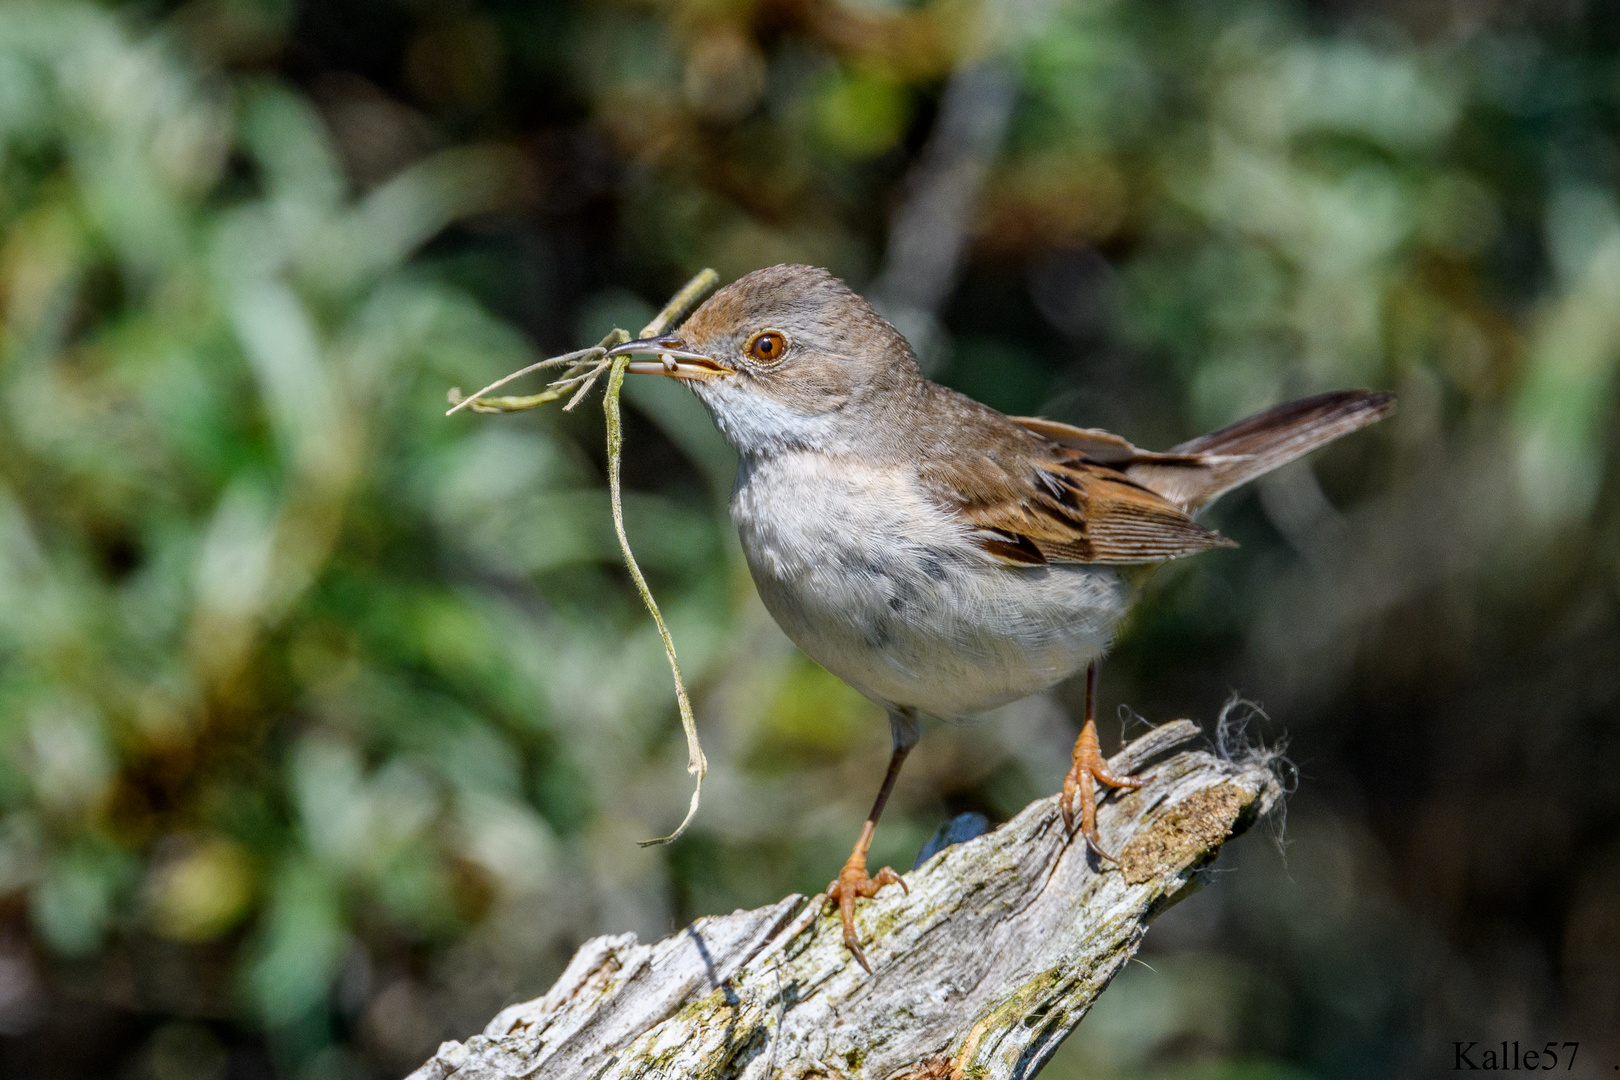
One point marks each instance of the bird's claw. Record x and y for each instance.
(854, 883)
(1087, 770)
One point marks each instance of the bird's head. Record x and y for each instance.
(785, 357)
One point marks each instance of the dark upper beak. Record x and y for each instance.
(674, 359)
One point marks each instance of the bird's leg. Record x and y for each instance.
(853, 881)
(1088, 768)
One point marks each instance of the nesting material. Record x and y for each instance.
(581, 371)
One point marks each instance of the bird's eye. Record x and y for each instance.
(767, 348)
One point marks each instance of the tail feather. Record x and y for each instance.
(1220, 461)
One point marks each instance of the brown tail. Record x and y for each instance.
(1221, 460)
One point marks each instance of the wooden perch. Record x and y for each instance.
(980, 972)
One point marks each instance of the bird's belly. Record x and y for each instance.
(886, 592)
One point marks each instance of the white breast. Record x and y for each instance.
(884, 590)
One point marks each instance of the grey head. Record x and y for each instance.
(789, 357)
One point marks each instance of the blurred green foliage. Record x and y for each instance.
(327, 725)
(243, 699)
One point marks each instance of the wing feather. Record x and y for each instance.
(1063, 508)
(1036, 491)
(1102, 446)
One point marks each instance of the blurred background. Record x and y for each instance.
(328, 725)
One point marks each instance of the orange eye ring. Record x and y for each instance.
(767, 347)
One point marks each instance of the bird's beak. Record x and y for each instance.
(674, 359)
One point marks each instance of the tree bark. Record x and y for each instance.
(980, 972)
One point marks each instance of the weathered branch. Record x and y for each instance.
(991, 960)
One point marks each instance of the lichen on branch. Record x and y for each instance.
(1001, 946)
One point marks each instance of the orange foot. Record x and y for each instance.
(1088, 767)
(853, 882)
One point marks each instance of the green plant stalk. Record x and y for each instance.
(577, 380)
(696, 763)
(679, 306)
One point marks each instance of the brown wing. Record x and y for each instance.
(1038, 491)
(1058, 507)
(1196, 473)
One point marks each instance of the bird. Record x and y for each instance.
(939, 556)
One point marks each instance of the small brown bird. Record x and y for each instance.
(938, 556)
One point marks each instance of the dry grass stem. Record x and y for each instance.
(457, 402)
